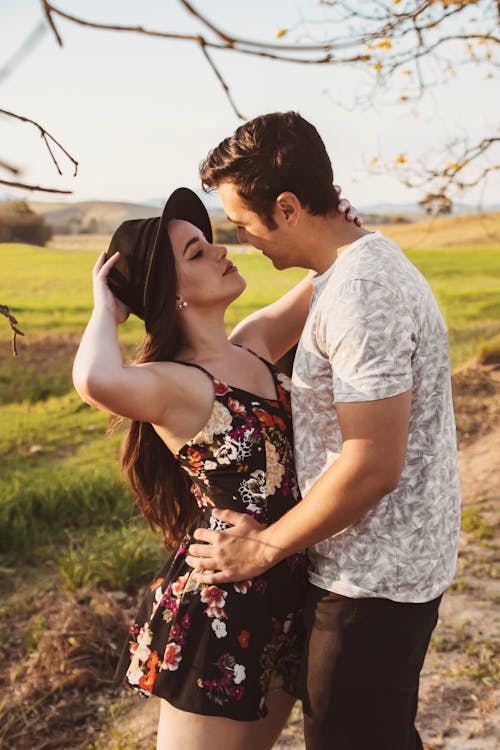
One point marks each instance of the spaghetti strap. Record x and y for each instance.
(266, 361)
(216, 381)
(198, 367)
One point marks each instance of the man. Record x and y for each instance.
(374, 442)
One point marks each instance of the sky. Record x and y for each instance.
(140, 113)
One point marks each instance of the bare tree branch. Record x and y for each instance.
(27, 46)
(4, 310)
(27, 186)
(25, 49)
(190, 9)
(221, 80)
(9, 168)
(465, 167)
(227, 42)
(382, 28)
(47, 138)
(48, 15)
(380, 35)
(450, 174)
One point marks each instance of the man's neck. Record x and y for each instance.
(328, 238)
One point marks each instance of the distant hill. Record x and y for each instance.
(411, 211)
(102, 218)
(211, 201)
(448, 231)
(412, 208)
(90, 217)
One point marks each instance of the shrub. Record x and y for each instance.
(225, 234)
(18, 223)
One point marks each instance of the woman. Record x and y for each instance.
(210, 425)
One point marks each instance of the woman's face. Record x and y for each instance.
(205, 275)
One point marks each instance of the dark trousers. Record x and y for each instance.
(360, 674)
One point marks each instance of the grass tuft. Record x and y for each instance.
(489, 352)
(473, 523)
(42, 510)
(119, 559)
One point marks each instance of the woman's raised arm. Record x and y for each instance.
(151, 392)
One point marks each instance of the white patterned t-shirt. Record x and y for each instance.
(374, 330)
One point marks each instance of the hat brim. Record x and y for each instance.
(183, 204)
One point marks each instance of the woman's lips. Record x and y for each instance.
(229, 268)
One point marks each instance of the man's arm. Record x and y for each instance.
(374, 446)
(274, 329)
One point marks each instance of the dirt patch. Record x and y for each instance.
(43, 368)
(66, 654)
(42, 351)
(479, 469)
(476, 397)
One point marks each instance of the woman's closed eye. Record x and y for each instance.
(197, 254)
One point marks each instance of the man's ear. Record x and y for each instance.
(288, 208)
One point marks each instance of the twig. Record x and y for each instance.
(46, 137)
(47, 9)
(4, 310)
(238, 44)
(27, 186)
(9, 167)
(46, 141)
(221, 81)
(31, 40)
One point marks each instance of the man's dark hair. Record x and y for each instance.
(270, 155)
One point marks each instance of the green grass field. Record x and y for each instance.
(50, 291)
(59, 476)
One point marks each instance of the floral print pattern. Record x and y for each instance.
(227, 686)
(216, 649)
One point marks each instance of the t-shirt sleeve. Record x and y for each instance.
(367, 334)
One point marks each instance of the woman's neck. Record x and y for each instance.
(205, 337)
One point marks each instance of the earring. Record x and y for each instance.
(181, 305)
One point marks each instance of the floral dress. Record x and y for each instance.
(218, 649)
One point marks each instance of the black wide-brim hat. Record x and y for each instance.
(142, 242)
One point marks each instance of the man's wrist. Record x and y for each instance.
(272, 554)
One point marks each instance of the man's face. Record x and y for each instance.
(252, 230)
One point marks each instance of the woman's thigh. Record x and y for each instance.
(196, 732)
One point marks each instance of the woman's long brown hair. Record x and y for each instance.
(161, 486)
